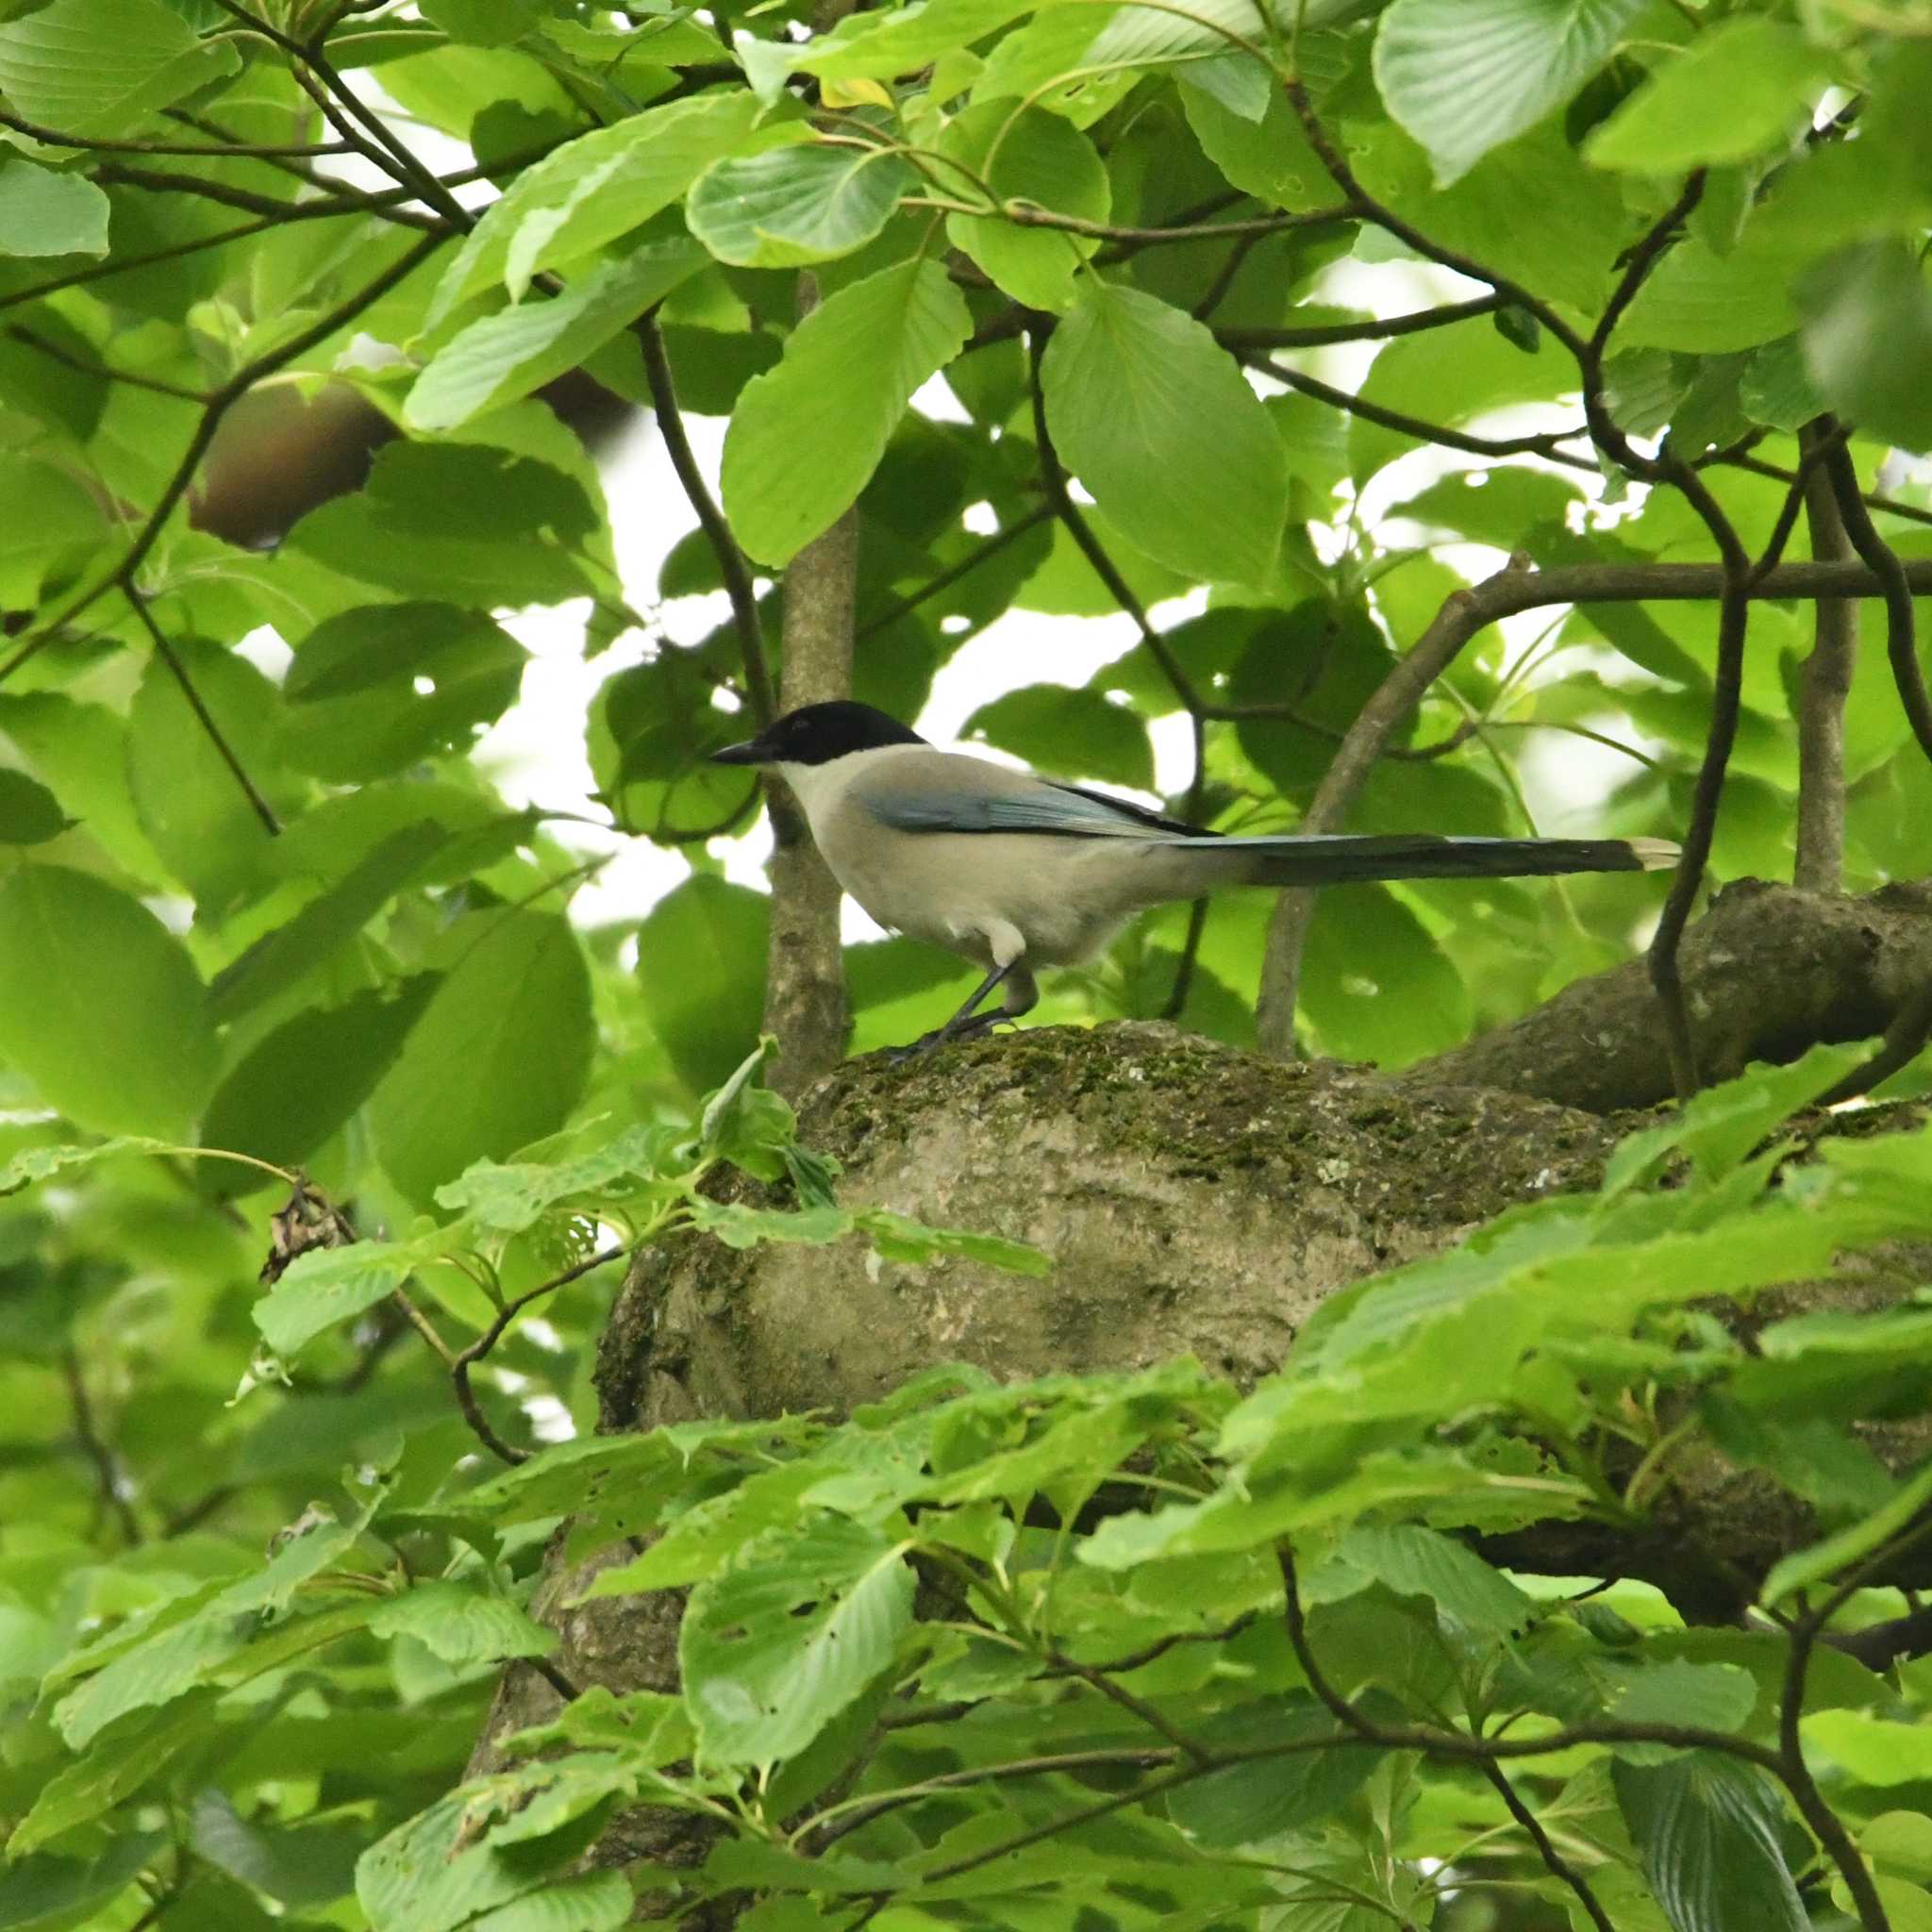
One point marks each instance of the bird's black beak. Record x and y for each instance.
(750, 753)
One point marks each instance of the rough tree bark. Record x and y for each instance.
(1196, 1199)
(805, 978)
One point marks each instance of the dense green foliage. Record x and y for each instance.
(262, 909)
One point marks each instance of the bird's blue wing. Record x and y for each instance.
(1038, 806)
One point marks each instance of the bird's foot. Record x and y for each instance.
(943, 1035)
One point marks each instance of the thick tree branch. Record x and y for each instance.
(1770, 971)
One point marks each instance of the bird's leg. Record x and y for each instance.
(966, 1020)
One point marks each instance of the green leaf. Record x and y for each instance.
(1408, 376)
(508, 1198)
(39, 1163)
(310, 940)
(1041, 160)
(1875, 1751)
(82, 751)
(1075, 732)
(1155, 419)
(796, 204)
(898, 1237)
(441, 1870)
(46, 518)
(590, 190)
(775, 1646)
(376, 690)
(100, 1005)
(1714, 1697)
(45, 213)
(113, 1770)
(1868, 341)
(307, 1866)
(302, 1082)
(199, 1631)
(1250, 1801)
(1376, 983)
(507, 355)
(102, 66)
(1708, 1831)
(487, 23)
(739, 1226)
(805, 438)
(1413, 1561)
(326, 1286)
(460, 523)
(598, 1901)
(876, 46)
(29, 813)
(1718, 1128)
(1734, 91)
(499, 1057)
(462, 1622)
(1465, 75)
(701, 975)
(1266, 155)
(1804, 1569)
(1709, 303)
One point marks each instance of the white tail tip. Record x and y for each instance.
(1654, 854)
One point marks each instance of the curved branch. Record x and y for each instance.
(732, 566)
(1364, 206)
(1900, 639)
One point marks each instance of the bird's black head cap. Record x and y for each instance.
(817, 734)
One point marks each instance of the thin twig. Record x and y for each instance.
(553, 1677)
(386, 203)
(1364, 206)
(86, 1432)
(731, 562)
(1547, 444)
(1054, 478)
(203, 716)
(902, 607)
(466, 1358)
(1557, 1865)
(1900, 639)
(1888, 505)
(100, 371)
(1320, 335)
(229, 151)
